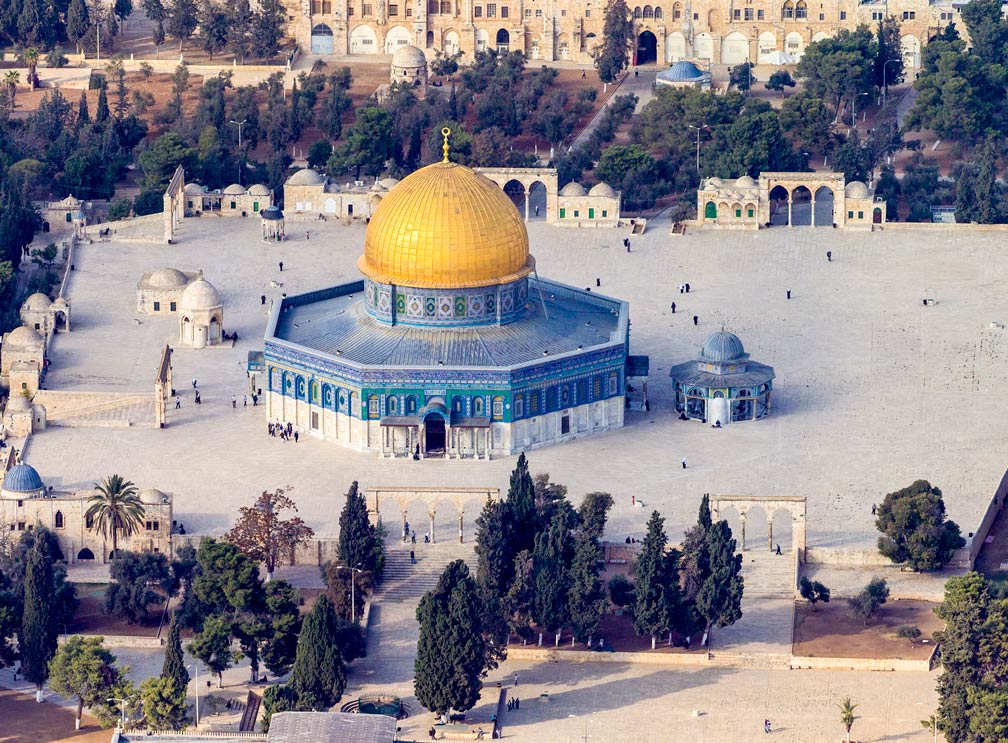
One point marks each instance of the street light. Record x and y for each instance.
(698, 130)
(355, 569)
(240, 124)
(885, 87)
(121, 704)
(97, 35)
(853, 107)
(195, 668)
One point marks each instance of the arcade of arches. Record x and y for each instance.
(450, 502)
(768, 507)
(789, 200)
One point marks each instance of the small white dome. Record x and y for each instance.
(305, 177)
(388, 183)
(61, 303)
(408, 56)
(24, 336)
(572, 189)
(200, 295)
(37, 302)
(167, 278)
(258, 189)
(234, 190)
(602, 189)
(856, 190)
(745, 182)
(193, 189)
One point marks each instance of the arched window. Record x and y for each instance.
(373, 407)
(446, 7)
(710, 211)
(637, 12)
(648, 12)
(658, 12)
(787, 10)
(801, 10)
(677, 12)
(478, 406)
(432, 7)
(314, 399)
(498, 408)
(411, 405)
(58, 520)
(300, 388)
(392, 405)
(327, 396)
(458, 405)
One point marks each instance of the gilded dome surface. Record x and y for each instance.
(445, 226)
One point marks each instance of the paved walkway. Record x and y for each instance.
(641, 85)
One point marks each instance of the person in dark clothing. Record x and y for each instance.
(673, 308)
(696, 320)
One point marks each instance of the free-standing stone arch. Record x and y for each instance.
(382, 501)
(528, 177)
(791, 182)
(793, 504)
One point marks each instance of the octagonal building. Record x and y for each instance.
(450, 345)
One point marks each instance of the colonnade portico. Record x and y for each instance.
(793, 504)
(377, 497)
(791, 182)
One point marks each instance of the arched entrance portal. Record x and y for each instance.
(779, 198)
(801, 207)
(321, 39)
(822, 207)
(434, 435)
(647, 48)
(503, 41)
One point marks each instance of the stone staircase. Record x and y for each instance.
(762, 637)
(404, 582)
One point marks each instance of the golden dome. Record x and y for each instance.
(445, 226)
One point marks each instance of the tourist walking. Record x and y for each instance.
(684, 462)
(829, 256)
(789, 294)
(673, 308)
(687, 287)
(412, 557)
(234, 402)
(307, 234)
(262, 299)
(244, 401)
(178, 404)
(516, 679)
(696, 320)
(281, 266)
(194, 382)
(766, 726)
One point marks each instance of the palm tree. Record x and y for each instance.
(31, 59)
(847, 716)
(11, 81)
(115, 507)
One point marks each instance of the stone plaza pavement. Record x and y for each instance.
(873, 390)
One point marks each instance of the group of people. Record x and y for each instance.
(285, 432)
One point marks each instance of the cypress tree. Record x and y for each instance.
(656, 587)
(318, 676)
(360, 542)
(696, 561)
(521, 515)
(551, 561)
(719, 600)
(451, 652)
(494, 571)
(586, 595)
(102, 112)
(38, 630)
(174, 665)
(83, 116)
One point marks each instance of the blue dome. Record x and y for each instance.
(722, 348)
(22, 478)
(681, 72)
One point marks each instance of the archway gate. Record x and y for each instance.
(793, 504)
(791, 182)
(401, 498)
(528, 177)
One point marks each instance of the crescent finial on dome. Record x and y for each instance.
(446, 132)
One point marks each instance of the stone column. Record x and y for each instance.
(798, 537)
(769, 531)
(742, 529)
(432, 526)
(789, 210)
(403, 530)
(461, 516)
(813, 210)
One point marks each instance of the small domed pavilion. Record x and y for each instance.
(201, 314)
(684, 74)
(722, 385)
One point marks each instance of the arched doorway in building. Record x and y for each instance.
(396, 37)
(647, 48)
(321, 39)
(876, 216)
(85, 554)
(503, 41)
(434, 433)
(363, 40)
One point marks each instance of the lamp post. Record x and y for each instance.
(698, 130)
(853, 110)
(885, 87)
(240, 124)
(355, 569)
(97, 36)
(121, 704)
(195, 668)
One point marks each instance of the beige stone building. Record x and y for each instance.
(715, 31)
(311, 195)
(233, 201)
(22, 360)
(159, 292)
(201, 315)
(599, 206)
(26, 502)
(45, 316)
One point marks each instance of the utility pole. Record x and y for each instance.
(698, 130)
(97, 36)
(195, 667)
